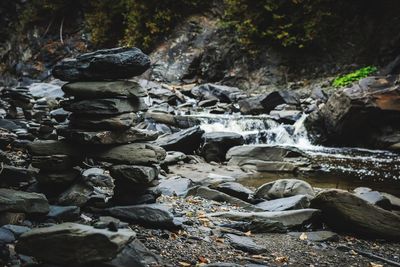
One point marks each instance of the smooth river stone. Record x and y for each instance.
(103, 122)
(126, 175)
(19, 201)
(107, 64)
(105, 106)
(53, 147)
(107, 137)
(92, 90)
(53, 162)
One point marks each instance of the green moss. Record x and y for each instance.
(354, 76)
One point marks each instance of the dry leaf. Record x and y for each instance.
(372, 264)
(184, 264)
(247, 233)
(282, 259)
(303, 236)
(203, 259)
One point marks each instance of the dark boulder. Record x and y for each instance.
(216, 144)
(186, 141)
(105, 106)
(222, 93)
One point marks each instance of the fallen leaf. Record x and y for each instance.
(184, 264)
(203, 259)
(372, 264)
(303, 236)
(247, 233)
(282, 259)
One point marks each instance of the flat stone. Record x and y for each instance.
(53, 162)
(57, 178)
(137, 153)
(16, 176)
(148, 215)
(258, 226)
(6, 236)
(175, 186)
(131, 175)
(245, 244)
(103, 122)
(186, 141)
(216, 144)
(373, 197)
(347, 212)
(286, 203)
(17, 230)
(235, 189)
(53, 147)
(106, 89)
(107, 137)
(222, 93)
(284, 188)
(64, 213)
(316, 236)
(107, 64)
(104, 106)
(19, 201)
(73, 244)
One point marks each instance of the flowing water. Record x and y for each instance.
(345, 168)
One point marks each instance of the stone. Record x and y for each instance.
(133, 175)
(174, 157)
(222, 93)
(267, 158)
(284, 188)
(175, 186)
(107, 64)
(147, 215)
(46, 90)
(186, 141)
(53, 147)
(19, 201)
(287, 203)
(55, 179)
(59, 114)
(53, 162)
(373, 197)
(276, 98)
(106, 137)
(394, 201)
(289, 218)
(17, 230)
(286, 116)
(235, 189)
(252, 105)
(215, 195)
(182, 122)
(73, 244)
(258, 226)
(103, 122)
(64, 213)
(137, 153)
(104, 106)
(6, 236)
(347, 212)
(245, 244)
(90, 90)
(16, 176)
(315, 236)
(216, 144)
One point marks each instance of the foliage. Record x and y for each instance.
(354, 76)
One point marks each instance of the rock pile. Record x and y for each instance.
(104, 111)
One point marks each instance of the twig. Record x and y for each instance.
(61, 30)
(370, 255)
(48, 27)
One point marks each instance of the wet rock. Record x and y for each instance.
(286, 116)
(46, 90)
(103, 122)
(19, 201)
(107, 137)
(17, 230)
(6, 236)
(132, 175)
(252, 105)
(222, 93)
(289, 218)
(186, 141)
(15, 176)
(104, 106)
(236, 190)
(286, 203)
(394, 201)
(59, 114)
(174, 157)
(57, 179)
(215, 195)
(258, 226)
(315, 236)
(267, 158)
(53, 162)
(284, 188)
(208, 103)
(109, 89)
(137, 153)
(148, 215)
(346, 212)
(216, 144)
(245, 244)
(373, 197)
(133, 254)
(53, 147)
(64, 213)
(175, 186)
(73, 244)
(108, 64)
(182, 122)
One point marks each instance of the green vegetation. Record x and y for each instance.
(354, 76)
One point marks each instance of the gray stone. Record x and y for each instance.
(186, 141)
(286, 203)
(258, 226)
(53, 162)
(11, 176)
(236, 190)
(64, 213)
(106, 137)
(174, 157)
(245, 244)
(252, 105)
(284, 188)
(73, 244)
(104, 106)
(6, 236)
(276, 98)
(132, 175)
(105, 89)
(216, 144)
(46, 90)
(175, 186)
(347, 212)
(148, 215)
(103, 122)
(53, 147)
(64, 178)
(316, 236)
(107, 64)
(178, 121)
(373, 197)
(19, 201)
(286, 116)
(17, 230)
(222, 93)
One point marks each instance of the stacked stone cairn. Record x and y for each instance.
(105, 108)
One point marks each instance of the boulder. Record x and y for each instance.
(107, 137)
(284, 188)
(347, 212)
(245, 244)
(286, 116)
(252, 105)
(133, 175)
(276, 98)
(73, 244)
(136, 153)
(104, 106)
(236, 190)
(19, 201)
(103, 122)
(216, 144)
(53, 163)
(174, 186)
(287, 203)
(148, 215)
(53, 147)
(186, 141)
(107, 64)
(222, 93)
(109, 89)
(373, 197)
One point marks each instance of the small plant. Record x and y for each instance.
(348, 79)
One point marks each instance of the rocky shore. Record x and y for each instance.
(103, 169)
